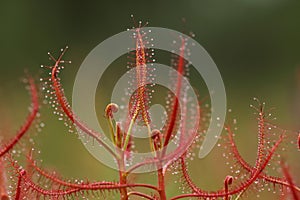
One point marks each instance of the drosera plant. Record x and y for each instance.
(28, 180)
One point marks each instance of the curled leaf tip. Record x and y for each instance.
(110, 109)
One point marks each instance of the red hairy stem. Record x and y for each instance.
(141, 77)
(65, 107)
(139, 107)
(75, 188)
(61, 181)
(172, 121)
(174, 113)
(186, 140)
(3, 190)
(19, 187)
(187, 177)
(290, 180)
(70, 191)
(81, 186)
(183, 165)
(248, 167)
(261, 138)
(242, 186)
(28, 122)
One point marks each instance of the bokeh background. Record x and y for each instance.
(255, 44)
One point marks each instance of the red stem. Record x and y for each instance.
(161, 184)
(65, 107)
(187, 177)
(19, 188)
(174, 113)
(61, 181)
(28, 122)
(247, 166)
(242, 186)
(261, 138)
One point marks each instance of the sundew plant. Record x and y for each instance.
(184, 128)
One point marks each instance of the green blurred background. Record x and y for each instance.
(255, 44)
